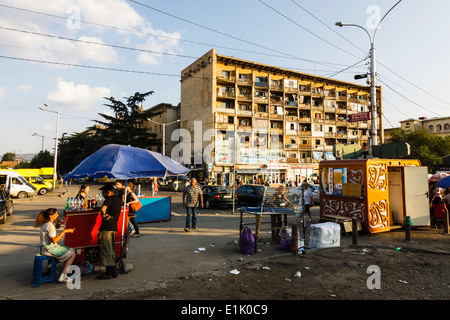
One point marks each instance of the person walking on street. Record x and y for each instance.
(110, 213)
(307, 200)
(192, 198)
(132, 198)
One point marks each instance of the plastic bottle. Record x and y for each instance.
(72, 204)
(67, 204)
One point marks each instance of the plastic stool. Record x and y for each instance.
(38, 278)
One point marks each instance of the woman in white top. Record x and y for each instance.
(45, 220)
(309, 199)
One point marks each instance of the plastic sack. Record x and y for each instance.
(247, 241)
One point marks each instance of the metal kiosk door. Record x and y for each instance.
(416, 195)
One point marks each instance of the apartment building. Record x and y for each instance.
(269, 123)
(439, 126)
(165, 121)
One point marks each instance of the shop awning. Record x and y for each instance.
(249, 171)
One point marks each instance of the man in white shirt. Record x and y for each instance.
(308, 199)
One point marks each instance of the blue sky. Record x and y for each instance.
(41, 61)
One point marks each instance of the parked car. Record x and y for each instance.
(251, 195)
(6, 205)
(294, 194)
(179, 184)
(216, 196)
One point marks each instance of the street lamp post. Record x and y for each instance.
(38, 135)
(56, 142)
(373, 88)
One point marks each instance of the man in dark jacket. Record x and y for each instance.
(110, 213)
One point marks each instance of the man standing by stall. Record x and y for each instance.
(110, 213)
(192, 198)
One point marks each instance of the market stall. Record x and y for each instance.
(125, 163)
(380, 193)
(84, 239)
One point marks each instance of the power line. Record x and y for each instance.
(309, 31)
(177, 39)
(406, 98)
(96, 43)
(87, 66)
(227, 35)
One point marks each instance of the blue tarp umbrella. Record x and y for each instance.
(125, 162)
(443, 183)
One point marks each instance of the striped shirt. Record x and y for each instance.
(192, 194)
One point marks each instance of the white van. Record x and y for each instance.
(16, 185)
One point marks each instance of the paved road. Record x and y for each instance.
(163, 252)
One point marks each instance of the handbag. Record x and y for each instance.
(135, 206)
(56, 250)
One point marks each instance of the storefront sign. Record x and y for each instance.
(362, 116)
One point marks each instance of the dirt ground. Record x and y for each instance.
(418, 270)
(167, 267)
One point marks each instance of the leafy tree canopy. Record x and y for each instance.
(428, 148)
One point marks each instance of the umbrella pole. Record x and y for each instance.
(124, 233)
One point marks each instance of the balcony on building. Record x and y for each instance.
(329, 93)
(330, 118)
(291, 100)
(226, 76)
(244, 109)
(290, 86)
(304, 102)
(352, 97)
(290, 114)
(276, 98)
(276, 127)
(226, 92)
(276, 85)
(244, 94)
(245, 79)
(317, 103)
(225, 106)
(290, 141)
(261, 96)
(244, 123)
(261, 110)
(304, 130)
(262, 82)
(305, 89)
(341, 132)
(317, 91)
(341, 95)
(224, 121)
(276, 112)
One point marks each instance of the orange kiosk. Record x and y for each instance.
(378, 192)
(84, 239)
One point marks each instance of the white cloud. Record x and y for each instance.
(2, 93)
(76, 96)
(24, 89)
(115, 13)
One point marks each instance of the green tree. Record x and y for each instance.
(126, 125)
(428, 148)
(9, 156)
(42, 159)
